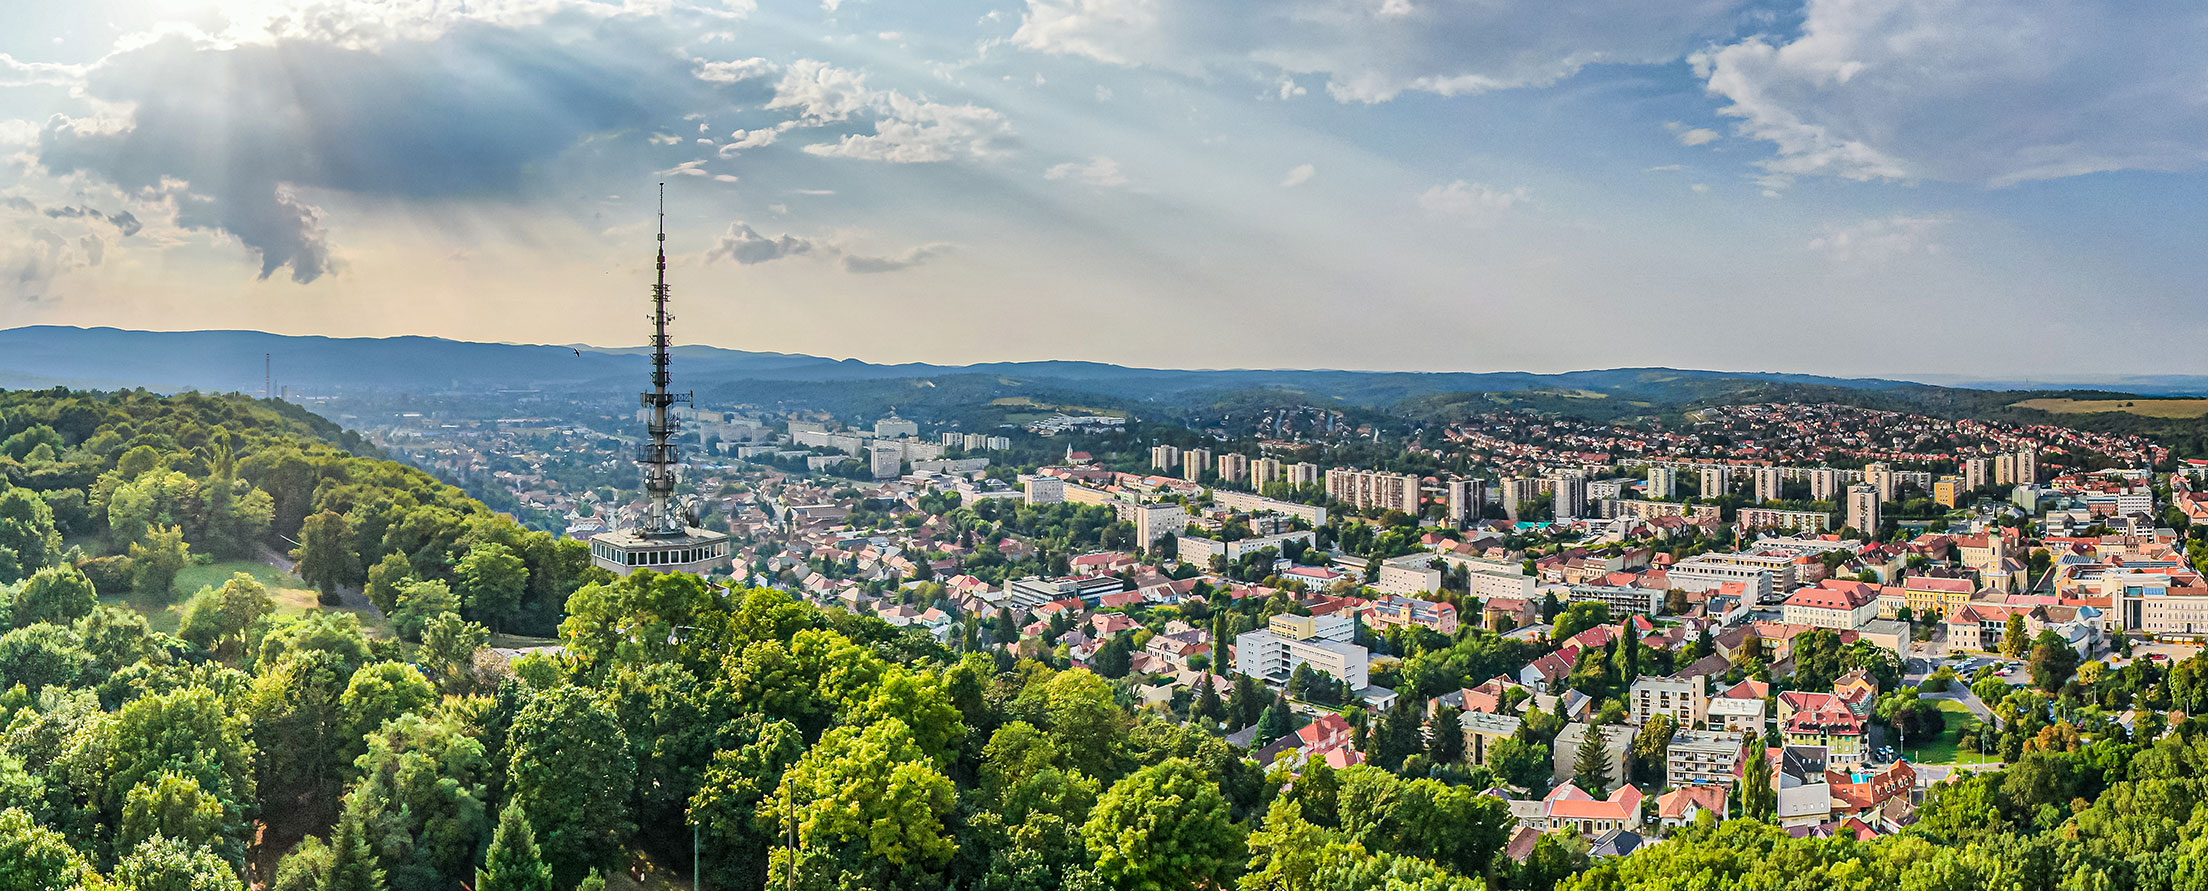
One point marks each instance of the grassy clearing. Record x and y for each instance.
(293, 597)
(2149, 408)
(1947, 748)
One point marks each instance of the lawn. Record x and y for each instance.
(1947, 749)
(293, 597)
(2151, 408)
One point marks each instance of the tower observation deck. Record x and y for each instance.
(667, 540)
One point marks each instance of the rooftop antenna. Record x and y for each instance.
(268, 375)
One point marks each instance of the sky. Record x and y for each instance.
(1997, 188)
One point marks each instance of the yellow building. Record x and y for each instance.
(1948, 491)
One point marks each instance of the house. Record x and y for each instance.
(1569, 807)
(1507, 613)
(1978, 626)
(1832, 727)
(1858, 690)
(1737, 716)
(1615, 843)
(1868, 794)
(1680, 806)
(1400, 611)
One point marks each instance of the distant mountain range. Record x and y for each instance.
(109, 358)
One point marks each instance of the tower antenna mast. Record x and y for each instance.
(661, 454)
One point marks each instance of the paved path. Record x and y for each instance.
(351, 598)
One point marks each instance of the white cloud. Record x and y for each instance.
(1465, 198)
(1300, 175)
(1973, 90)
(1698, 136)
(735, 71)
(1372, 51)
(1880, 241)
(1099, 171)
(906, 130)
(14, 73)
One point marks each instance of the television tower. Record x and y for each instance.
(662, 519)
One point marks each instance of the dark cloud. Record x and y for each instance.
(472, 115)
(745, 245)
(125, 221)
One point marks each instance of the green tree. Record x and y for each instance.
(1522, 764)
(175, 806)
(1445, 736)
(28, 540)
(418, 603)
(1591, 762)
(1758, 801)
(422, 799)
(57, 594)
(155, 561)
(513, 863)
(2053, 662)
(1164, 827)
(490, 581)
(2013, 641)
(306, 868)
(216, 619)
(448, 650)
(299, 726)
(326, 554)
(869, 807)
(321, 631)
(166, 864)
(35, 858)
(377, 693)
(386, 579)
(570, 769)
(1650, 749)
(353, 865)
(189, 732)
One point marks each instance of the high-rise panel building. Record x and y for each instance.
(1824, 483)
(1303, 473)
(1769, 480)
(1195, 463)
(2027, 466)
(1716, 481)
(1265, 472)
(1663, 483)
(1863, 505)
(1165, 457)
(1571, 494)
(1977, 473)
(1881, 476)
(1234, 467)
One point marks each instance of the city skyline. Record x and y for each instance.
(1120, 180)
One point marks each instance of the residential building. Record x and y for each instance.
(1977, 474)
(1880, 475)
(1836, 729)
(1571, 494)
(1808, 521)
(1863, 504)
(1265, 472)
(1259, 504)
(1935, 596)
(1466, 499)
(1685, 699)
(1374, 489)
(1716, 480)
(1835, 604)
(1411, 575)
(1683, 806)
(1617, 744)
(1234, 467)
(1947, 491)
(1769, 480)
(1156, 520)
(1519, 491)
(1712, 758)
(2027, 465)
(1044, 489)
(1271, 654)
(1622, 601)
(1195, 463)
(1395, 612)
(1303, 473)
(1483, 730)
(1663, 482)
(1031, 592)
(1573, 809)
(1200, 551)
(1824, 483)
(893, 427)
(1165, 458)
(886, 460)
(2004, 469)
(1737, 716)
